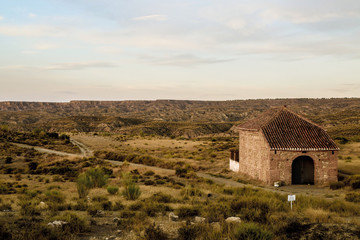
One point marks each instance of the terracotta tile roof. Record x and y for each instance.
(285, 130)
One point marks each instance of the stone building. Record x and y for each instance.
(280, 145)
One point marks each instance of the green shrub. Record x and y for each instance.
(181, 172)
(185, 212)
(162, 198)
(189, 232)
(247, 231)
(83, 185)
(152, 208)
(136, 206)
(216, 212)
(149, 173)
(352, 197)
(118, 206)
(76, 224)
(154, 232)
(112, 189)
(28, 208)
(97, 177)
(337, 185)
(54, 196)
(149, 182)
(131, 190)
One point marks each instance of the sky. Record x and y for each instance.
(62, 50)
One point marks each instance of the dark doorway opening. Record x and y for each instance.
(302, 170)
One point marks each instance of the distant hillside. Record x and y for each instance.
(341, 116)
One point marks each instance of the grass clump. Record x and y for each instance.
(353, 197)
(112, 190)
(155, 232)
(131, 189)
(252, 231)
(186, 212)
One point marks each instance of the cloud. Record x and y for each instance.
(155, 17)
(45, 46)
(1, 18)
(32, 15)
(80, 65)
(14, 67)
(185, 60)
(31, 30)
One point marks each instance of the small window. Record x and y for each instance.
(304, 152)
(332, 152)
(275, 151)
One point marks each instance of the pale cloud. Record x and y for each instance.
(80, 65)
(1, 18)
(14, 67)
(32, 15)
(155, 17)
(45, 46)
(185, 60)
(31, 30)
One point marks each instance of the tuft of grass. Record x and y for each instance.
(131, 190)
(112, 190)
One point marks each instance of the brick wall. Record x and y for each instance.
(254, 155)
(325, 165)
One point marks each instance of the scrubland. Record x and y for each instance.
(168, 178)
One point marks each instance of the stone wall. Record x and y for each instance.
(254, 155)
(325, 166)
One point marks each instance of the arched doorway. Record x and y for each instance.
(302, 170)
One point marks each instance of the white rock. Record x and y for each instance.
(199, 219)
(173, 217)
(233, 220)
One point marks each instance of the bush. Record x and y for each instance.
(8, 160)
(97, 177)
(185, 212)
(162, 198)
(154, 232)
(112, 189)
(28, 208)
(131, 190)
(352, 197)
(33, 166)
(189, 232)
(54, 197)
(83, 185)
(181, 172)
(252, 231)
(75, 224)
(337, 185)
(149, 173)
(149, 182)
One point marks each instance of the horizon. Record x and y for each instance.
(154, 100)
(58, 50)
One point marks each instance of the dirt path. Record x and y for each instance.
(48, 151)
(85, 151)
(293, 189)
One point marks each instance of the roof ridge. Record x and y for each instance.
(279, 110)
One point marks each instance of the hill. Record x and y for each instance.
(340, 116)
